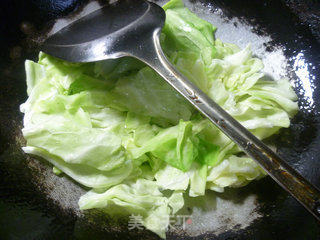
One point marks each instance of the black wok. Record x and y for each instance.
(36, 204)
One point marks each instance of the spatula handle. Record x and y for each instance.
(288, 178)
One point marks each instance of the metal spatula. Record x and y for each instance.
(132, 28)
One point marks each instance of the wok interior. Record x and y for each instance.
(258, 207)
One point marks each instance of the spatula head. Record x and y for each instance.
(115, 30)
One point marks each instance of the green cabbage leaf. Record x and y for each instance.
(120, 130)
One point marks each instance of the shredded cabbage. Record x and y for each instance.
(116, 127)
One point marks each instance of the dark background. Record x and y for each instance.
(24, 211)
